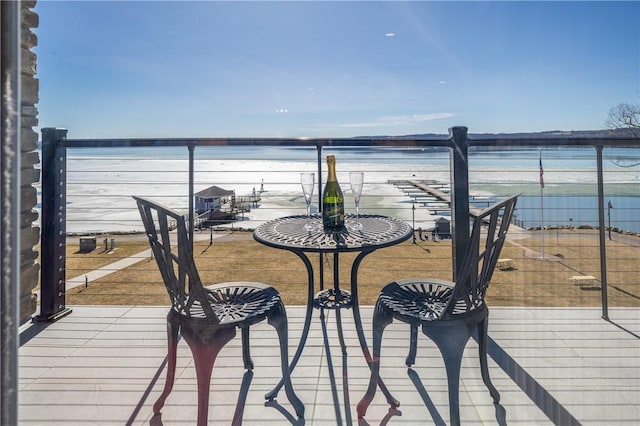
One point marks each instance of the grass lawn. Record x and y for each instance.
(532, 281)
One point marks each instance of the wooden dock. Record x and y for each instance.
(438, 198)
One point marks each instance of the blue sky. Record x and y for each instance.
(332, 69)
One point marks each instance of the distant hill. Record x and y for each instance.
(525, 135)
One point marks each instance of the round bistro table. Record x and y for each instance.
(376, 232)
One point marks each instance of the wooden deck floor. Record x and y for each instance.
(105, 366)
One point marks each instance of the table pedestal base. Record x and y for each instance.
(332, 299)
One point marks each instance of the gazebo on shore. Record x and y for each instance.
(213, 199)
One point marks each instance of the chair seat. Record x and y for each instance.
(417, 300)
(238, 304)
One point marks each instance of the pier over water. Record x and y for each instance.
(437, 194)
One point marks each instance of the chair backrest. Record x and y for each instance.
(473, 280)
(174, 255)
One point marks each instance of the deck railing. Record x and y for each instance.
(452, 153)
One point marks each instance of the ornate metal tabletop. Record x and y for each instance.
(289, 233)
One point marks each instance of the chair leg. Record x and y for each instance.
(173, 328)
(451, 340)
(278, 319)
(413, 346)
(381, 319)
(484, 366)
(204, 356)
(246, 352)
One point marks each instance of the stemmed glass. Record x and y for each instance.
(308, 181)
(356, 180)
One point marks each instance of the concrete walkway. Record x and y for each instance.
(85, 279)
(91, 276)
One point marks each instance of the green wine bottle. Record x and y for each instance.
(332, 199)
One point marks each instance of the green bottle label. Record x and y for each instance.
(333, 212)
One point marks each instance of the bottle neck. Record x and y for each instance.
(331, 165)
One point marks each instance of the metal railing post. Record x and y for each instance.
(53, 241)
(459, 171)
(191, 195)
(319, 164)
(320, 255)
(603, 239)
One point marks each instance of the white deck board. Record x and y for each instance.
(103, 365)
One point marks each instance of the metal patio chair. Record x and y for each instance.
(207, 317)
(449, 312)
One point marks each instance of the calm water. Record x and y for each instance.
(578, 210)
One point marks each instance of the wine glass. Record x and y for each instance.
(356, 180)
(308, 181)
